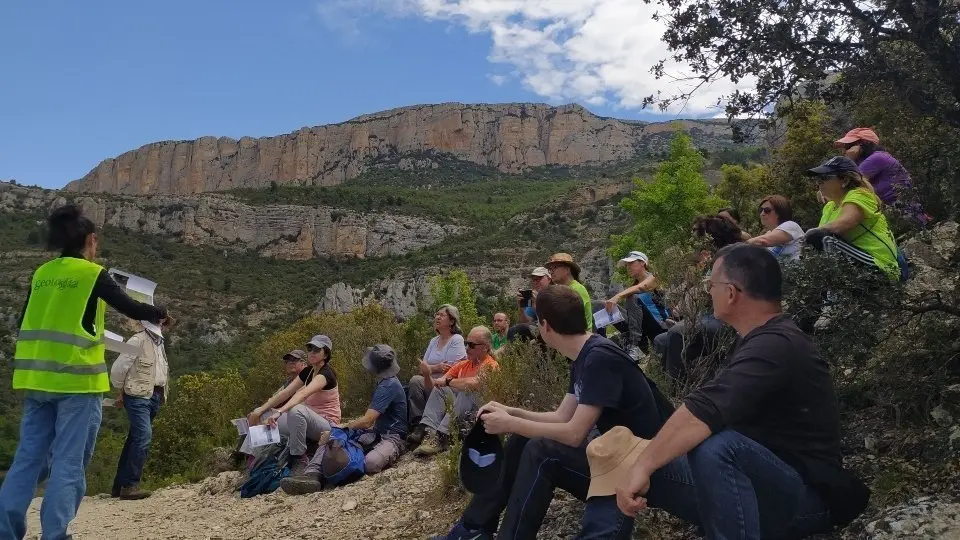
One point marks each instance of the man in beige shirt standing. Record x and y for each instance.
(143, 383)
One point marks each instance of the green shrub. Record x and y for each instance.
(529, 378)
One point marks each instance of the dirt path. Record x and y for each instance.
(385, 506)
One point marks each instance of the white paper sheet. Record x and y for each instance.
(139, 288)
(263, 435)
(602, 318)
(245, 448)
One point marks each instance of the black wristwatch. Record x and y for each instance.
(446, 381)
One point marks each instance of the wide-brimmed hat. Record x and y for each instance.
(296, 355)
(833, 166)
(321, 341)
(481, 460)
(611, 456)
(540, 271)
(563, 258)
(858, 134)
(634, 256)
(381, 361)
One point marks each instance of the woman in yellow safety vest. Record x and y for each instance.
(59, 362)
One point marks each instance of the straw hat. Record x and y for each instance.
(563, 258)
(611, 456)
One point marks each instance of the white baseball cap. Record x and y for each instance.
(634, 256)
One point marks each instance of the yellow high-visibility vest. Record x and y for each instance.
(54, 352)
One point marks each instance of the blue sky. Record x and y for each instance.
(83, 81)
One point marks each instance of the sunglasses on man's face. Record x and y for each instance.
(472, 344)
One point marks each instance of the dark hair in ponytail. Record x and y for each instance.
(67, 230)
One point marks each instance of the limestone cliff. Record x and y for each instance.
(508, 137)
(281, 231)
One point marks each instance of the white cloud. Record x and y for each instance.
(499, 80)
(595, 51)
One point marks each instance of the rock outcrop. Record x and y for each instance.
(281, 231)
(508, 137)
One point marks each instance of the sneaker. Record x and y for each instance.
(416, 436)
(301, 485)
(432, 445)
(298, 465)
(461, 532)
(133, 493)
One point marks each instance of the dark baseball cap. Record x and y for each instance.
(834, 165)
(295, 355)
(481, 460)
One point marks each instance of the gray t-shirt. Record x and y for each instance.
(791, 250)
(454, 351)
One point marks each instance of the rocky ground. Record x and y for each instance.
(400, 503)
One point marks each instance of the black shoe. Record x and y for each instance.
(416, 436)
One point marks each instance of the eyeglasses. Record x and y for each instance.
(708, 285)
(766, 210)
(472, 344)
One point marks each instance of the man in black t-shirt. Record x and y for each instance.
(763, 437)
(548, 449)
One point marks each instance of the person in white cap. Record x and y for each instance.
(645, 317)
(308, 406)
(526, 327)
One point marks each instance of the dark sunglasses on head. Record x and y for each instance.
(472, 344)
(765, 210)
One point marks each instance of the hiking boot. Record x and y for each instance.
(432, 445)
(298, 465)
(416, 436)
(301, 485)
(133, 493)
(461, 532)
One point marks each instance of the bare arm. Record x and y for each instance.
(775, 237)
(466, 383)
(366, 421)
(571, 432)
(280, 397)
(850, 216)
(563, 413)
(316, 385)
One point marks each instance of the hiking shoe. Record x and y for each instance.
(461, 532)
(416, 436)
(133, 493)
(431, 446)
(301, 485)
(298, 465)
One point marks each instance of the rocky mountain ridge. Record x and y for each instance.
(508, 137)
(282, 231)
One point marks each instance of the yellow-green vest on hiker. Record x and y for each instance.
(54, 352)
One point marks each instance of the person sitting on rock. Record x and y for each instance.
(645, 314)
(444, 350)
(567, 272)
(459, 384)
(548, 449)
(293, 363)
(385, 423)
(526, 327)
(762, 438)
(783, 236)
(308, 406)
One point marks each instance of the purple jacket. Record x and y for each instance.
(885, 173)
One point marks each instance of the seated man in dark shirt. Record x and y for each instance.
(548, 449)
(763, 437)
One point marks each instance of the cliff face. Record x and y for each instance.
(281, 231)
(509, 137)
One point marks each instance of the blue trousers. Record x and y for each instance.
(746, 492)
(59, 430)
(140, 412)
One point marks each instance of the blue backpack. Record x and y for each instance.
(342, 461)
(267, 472)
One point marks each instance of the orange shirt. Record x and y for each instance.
(465, 369)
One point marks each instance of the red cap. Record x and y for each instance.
(858, 134)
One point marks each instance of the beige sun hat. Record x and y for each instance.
(611, 456)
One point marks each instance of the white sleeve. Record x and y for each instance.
(792, 228)
(121, 366)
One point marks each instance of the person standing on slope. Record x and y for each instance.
(59, 362)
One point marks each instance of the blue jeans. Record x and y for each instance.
(671, 489)
(744, 491)
(140, 412)
(60, 430)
